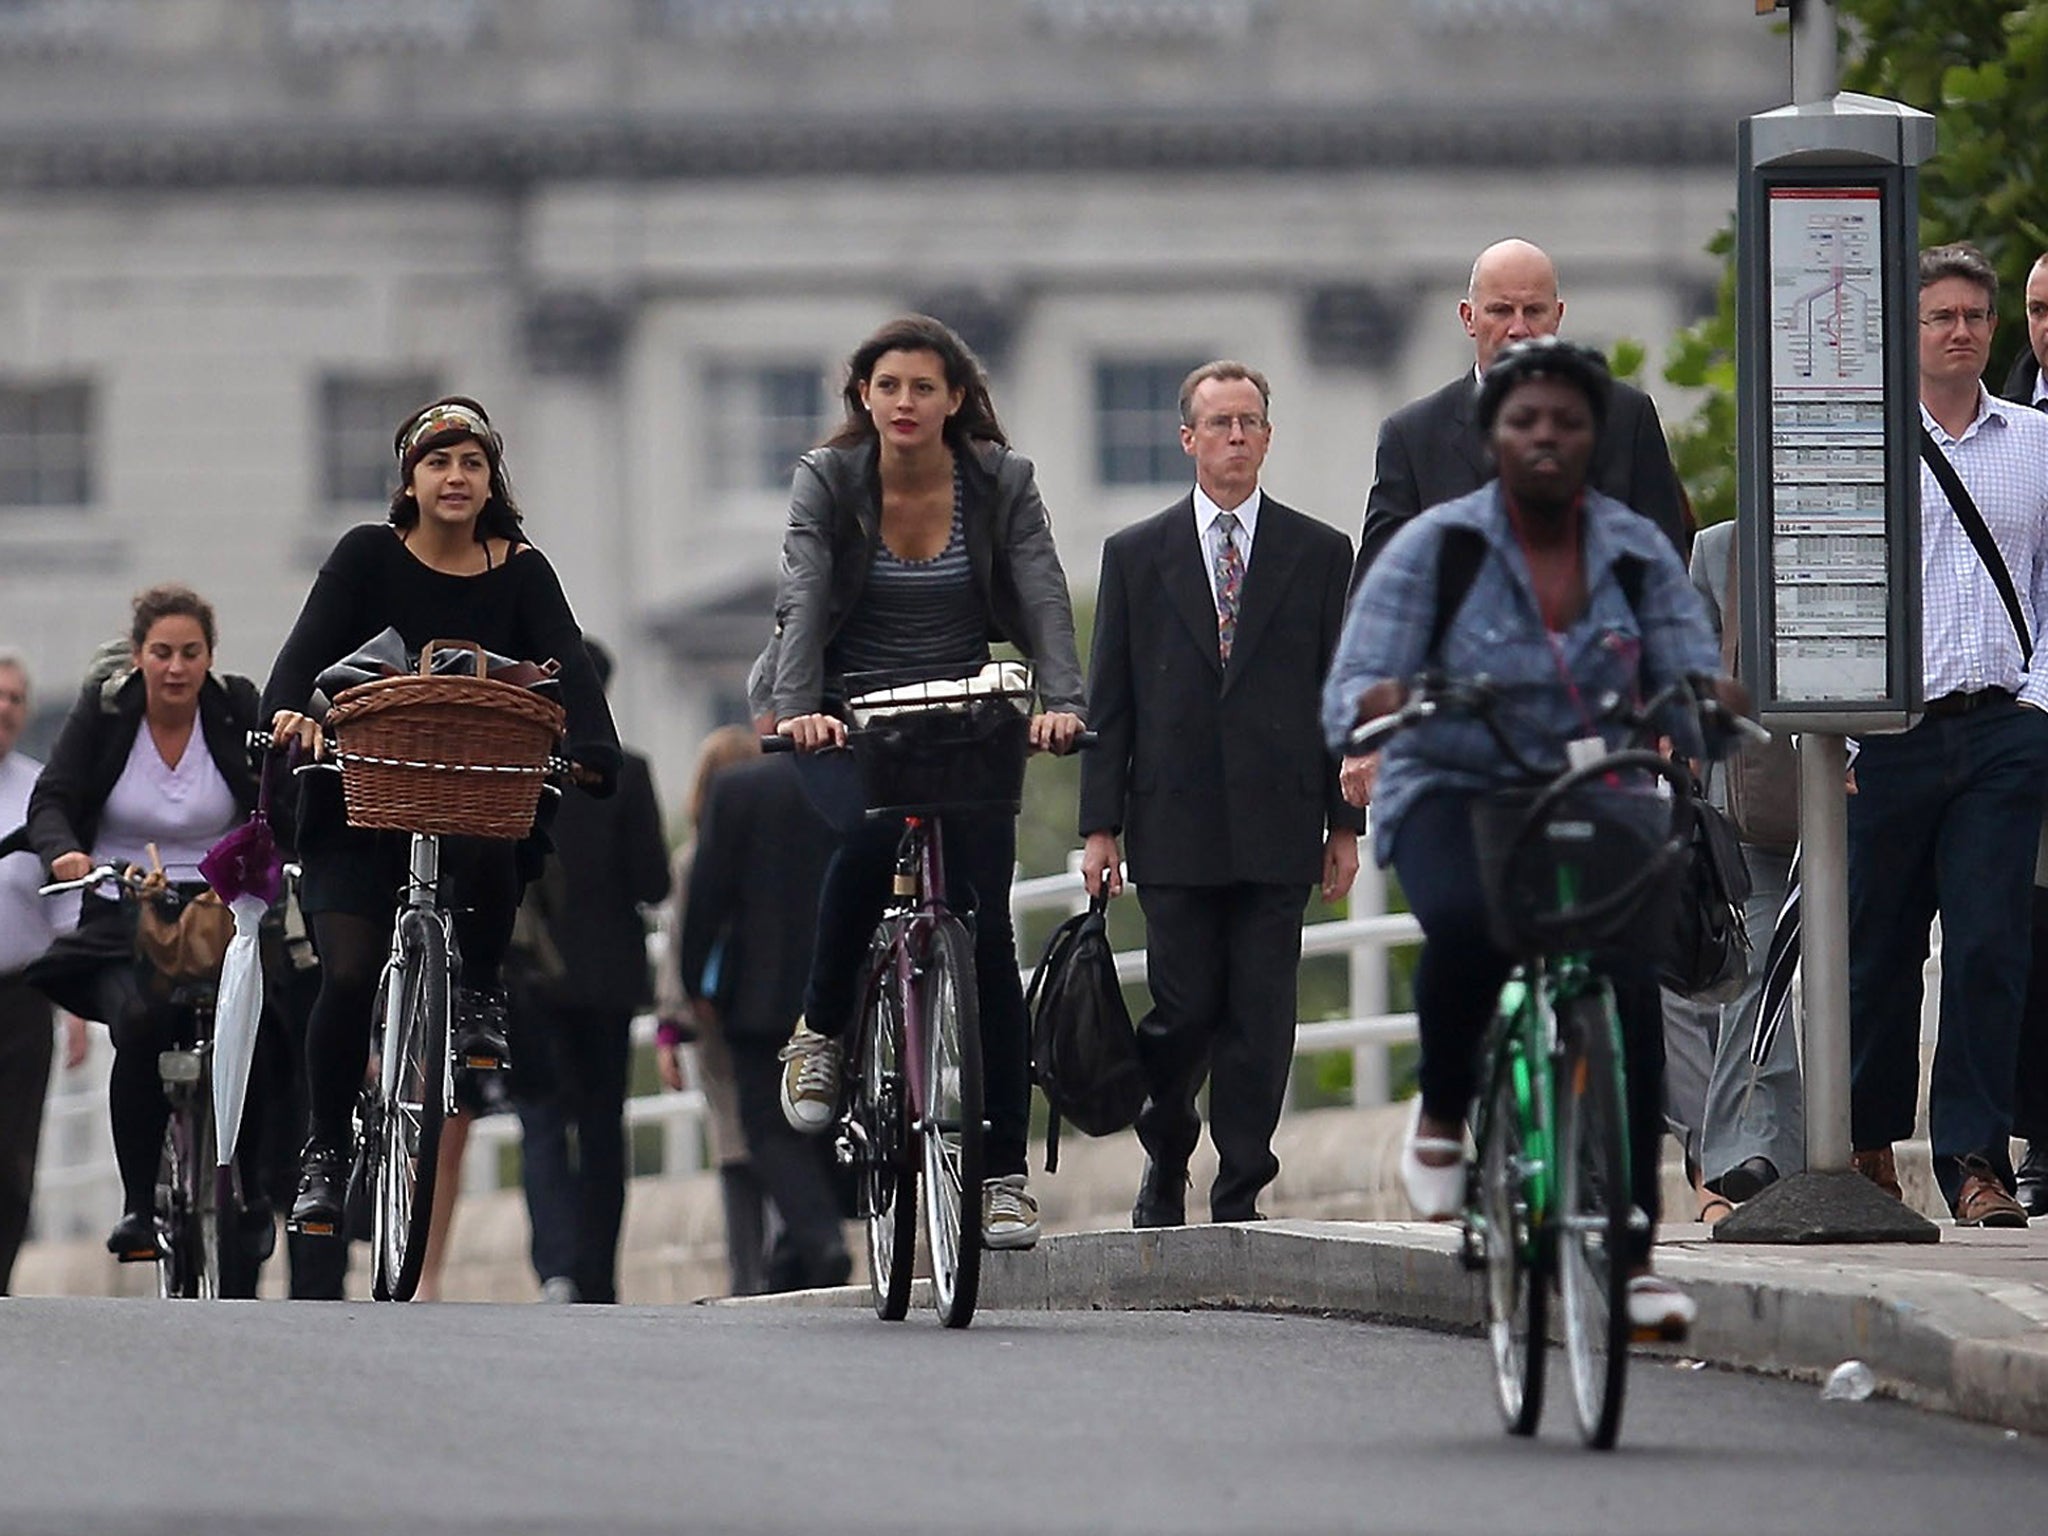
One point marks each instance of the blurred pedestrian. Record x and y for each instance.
(611, 863)
(28, 924)
(1215, 621)
(685, 1025)
(758, 867)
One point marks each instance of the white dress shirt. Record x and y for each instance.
(1206, 513)
(1966, 639)
(28, 922)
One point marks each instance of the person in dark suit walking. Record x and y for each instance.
(2027, 385)
(611, 861)
(1215, 621)
(1431, 450)
(762, 852)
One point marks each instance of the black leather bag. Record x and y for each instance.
(1708, 957)
(1084, 1053)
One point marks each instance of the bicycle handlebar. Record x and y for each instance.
(779, 743)
(99, 874)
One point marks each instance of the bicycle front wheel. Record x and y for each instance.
(188, 1218)
(1594, 1214)
(414, 1090)
(880, 1136)
(951, 1128)
(1517, 1280)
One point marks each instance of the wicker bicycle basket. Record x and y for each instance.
(455, 756)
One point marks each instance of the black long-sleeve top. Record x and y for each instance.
(371, 582)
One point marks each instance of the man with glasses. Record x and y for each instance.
(1946, 816)
(1215, 621)
(1431, 449)
(2028, 385)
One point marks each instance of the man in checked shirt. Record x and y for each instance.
(1947, 814)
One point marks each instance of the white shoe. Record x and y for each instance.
(1437, 1193)
(1009, 1213)
(810, 1080)
(1657, 1309)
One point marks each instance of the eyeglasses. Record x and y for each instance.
(1945, 319)
(1250, 421)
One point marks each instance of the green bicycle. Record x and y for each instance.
(1569, 861)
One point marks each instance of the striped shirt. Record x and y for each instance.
(915, 613)
(1966, 640)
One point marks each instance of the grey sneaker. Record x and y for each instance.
(1009, 1213)
(810, 1080)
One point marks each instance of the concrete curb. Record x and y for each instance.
(1960, 1344)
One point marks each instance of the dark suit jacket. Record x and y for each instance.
(614, 861)
(754, 882)
(2019, 384)
(1215, 776)
(64, 808)
(1430, 451)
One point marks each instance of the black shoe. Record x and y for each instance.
(323, 1190)
(2031, 1187)
(134, 1239)
(1227, 1215)
(1162, 1197)
(480, 1043)
(1746, 1180)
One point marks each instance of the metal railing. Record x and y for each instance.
(78, 1187)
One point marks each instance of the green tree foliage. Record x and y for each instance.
(1981, 67)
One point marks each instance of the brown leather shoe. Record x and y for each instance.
(1877, 1165)
(1984, 1201)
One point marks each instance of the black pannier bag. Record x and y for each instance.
(1084, 1053)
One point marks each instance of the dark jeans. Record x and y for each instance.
(980, 854)
(1944, 819)
(1459, 977)
(793, 1170)
(573, 1147)
(25, 1049)
(2030, 1079)
(1222, 966)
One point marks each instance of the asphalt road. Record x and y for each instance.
(241, 1417)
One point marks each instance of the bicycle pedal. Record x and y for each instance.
(139, 1256)
(485, 1063)
(313, 1228)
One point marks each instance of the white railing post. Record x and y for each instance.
(1369, 1074)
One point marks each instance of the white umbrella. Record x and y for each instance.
(237, 1009)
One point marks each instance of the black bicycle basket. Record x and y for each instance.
(1596, 868)
(948, 745)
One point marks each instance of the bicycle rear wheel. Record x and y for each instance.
(1594, 1211)
(951, 1126)
(1517, 1268)
(413, 1087)
(880, 1137)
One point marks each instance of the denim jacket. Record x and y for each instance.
(1553, 684)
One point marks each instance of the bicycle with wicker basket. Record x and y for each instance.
(433, 756)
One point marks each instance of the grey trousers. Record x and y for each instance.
(1722, 1108)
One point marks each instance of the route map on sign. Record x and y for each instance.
(1829, 555)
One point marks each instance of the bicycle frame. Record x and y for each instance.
(422, 893)
(920, 892)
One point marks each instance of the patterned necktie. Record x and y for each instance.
(1229, 583)
(2041, 404)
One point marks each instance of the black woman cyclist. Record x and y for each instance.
(1549, 616)
(452, 562)
(915, 534)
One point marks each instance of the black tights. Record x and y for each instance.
(352, 951)
(136, 1105)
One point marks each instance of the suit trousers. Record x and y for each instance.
(573, 1148)
(793, 1169)
(1221, 962)
(25, 1051)
(1945, 818)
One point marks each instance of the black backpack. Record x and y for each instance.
(1084, 1053)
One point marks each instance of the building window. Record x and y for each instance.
(1137, 421)
(45, 445)
(750, 19)
(358, 414)
(346, 26)
(762, 419)
(1148, 20)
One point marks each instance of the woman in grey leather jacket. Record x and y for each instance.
(915, 536)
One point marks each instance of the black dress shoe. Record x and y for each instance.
(134, 1239)
(1162, 1197)
(1746, 1180)
(323, 1190)
(2031, 1186)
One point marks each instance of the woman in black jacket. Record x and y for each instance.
(156, 758)
(915, 536)
(452, 562)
